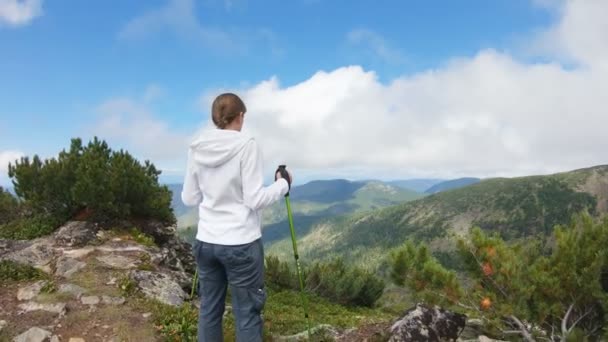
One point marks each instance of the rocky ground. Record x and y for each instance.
(90, 276)
(84, 297)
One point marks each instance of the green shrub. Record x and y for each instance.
(127, 286)
(344, 285)
(333, 280)
(177, 323)
(557, 286)
(9, 207)
(106, 185)
(27, 228)
(142, 238)
(279, 275)
(12, 271)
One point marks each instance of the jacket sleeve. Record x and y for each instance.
(255, 195)
(191, 192)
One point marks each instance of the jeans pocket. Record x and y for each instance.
(258, 298)
(239, 256)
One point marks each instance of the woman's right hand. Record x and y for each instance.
(278, 176)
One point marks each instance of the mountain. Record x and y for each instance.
(515, 208)
(451, 184)
(314, 201)
(418, 185)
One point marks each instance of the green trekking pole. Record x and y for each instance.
(282, 169)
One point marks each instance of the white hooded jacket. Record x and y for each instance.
(224, 178)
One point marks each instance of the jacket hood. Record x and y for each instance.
(214, 147)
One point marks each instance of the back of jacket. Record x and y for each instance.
(225, 179)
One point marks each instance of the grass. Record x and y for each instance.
(12, 271)
(94, 279)
(283, 316)
(54, 297)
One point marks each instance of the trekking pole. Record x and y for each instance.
(282, 169)
(194, 283)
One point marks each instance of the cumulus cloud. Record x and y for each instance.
(131, 124)
(485, 115)
(19, 12)
(580, 35)
(377, 44)
(7, 157)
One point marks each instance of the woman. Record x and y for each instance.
(224, 178)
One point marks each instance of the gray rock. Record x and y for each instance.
(66, 267)
(113, 300)
(31, 291)
(57, 308)
(10, 246)
(3, 324)
(34, 334)
(75, 234)
(473, 328)
(147, 315)
(89, 300)
(55, 338)
(118, 261)
(424, 324)
(72, 289)
(78, 253)
(38, 254)
(159, 231)
(159, 286)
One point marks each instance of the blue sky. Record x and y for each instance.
(114, 68)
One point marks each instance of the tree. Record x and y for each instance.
(107, 185)
(9, 207)
(539, 292)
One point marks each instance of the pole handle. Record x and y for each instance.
(283, 171)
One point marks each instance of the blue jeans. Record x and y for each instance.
(241, 267)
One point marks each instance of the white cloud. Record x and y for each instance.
(179, 17)
(131, 124)
(486, 115)
(7, 157)
(19, 12)
(374, 42)
(580, 35)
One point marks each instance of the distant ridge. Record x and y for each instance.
(452, 184)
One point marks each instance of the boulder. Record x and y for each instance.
(118, 261)
(90, 300)
(76, 234)
(72, 289)
(161, 232)
(57, 308)
(3, 324)
(425, 324)
(159, 286)
(10, 246)
(66, 267)
(31, 291)
(34, 334)
(38, 254)
(113, 300)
